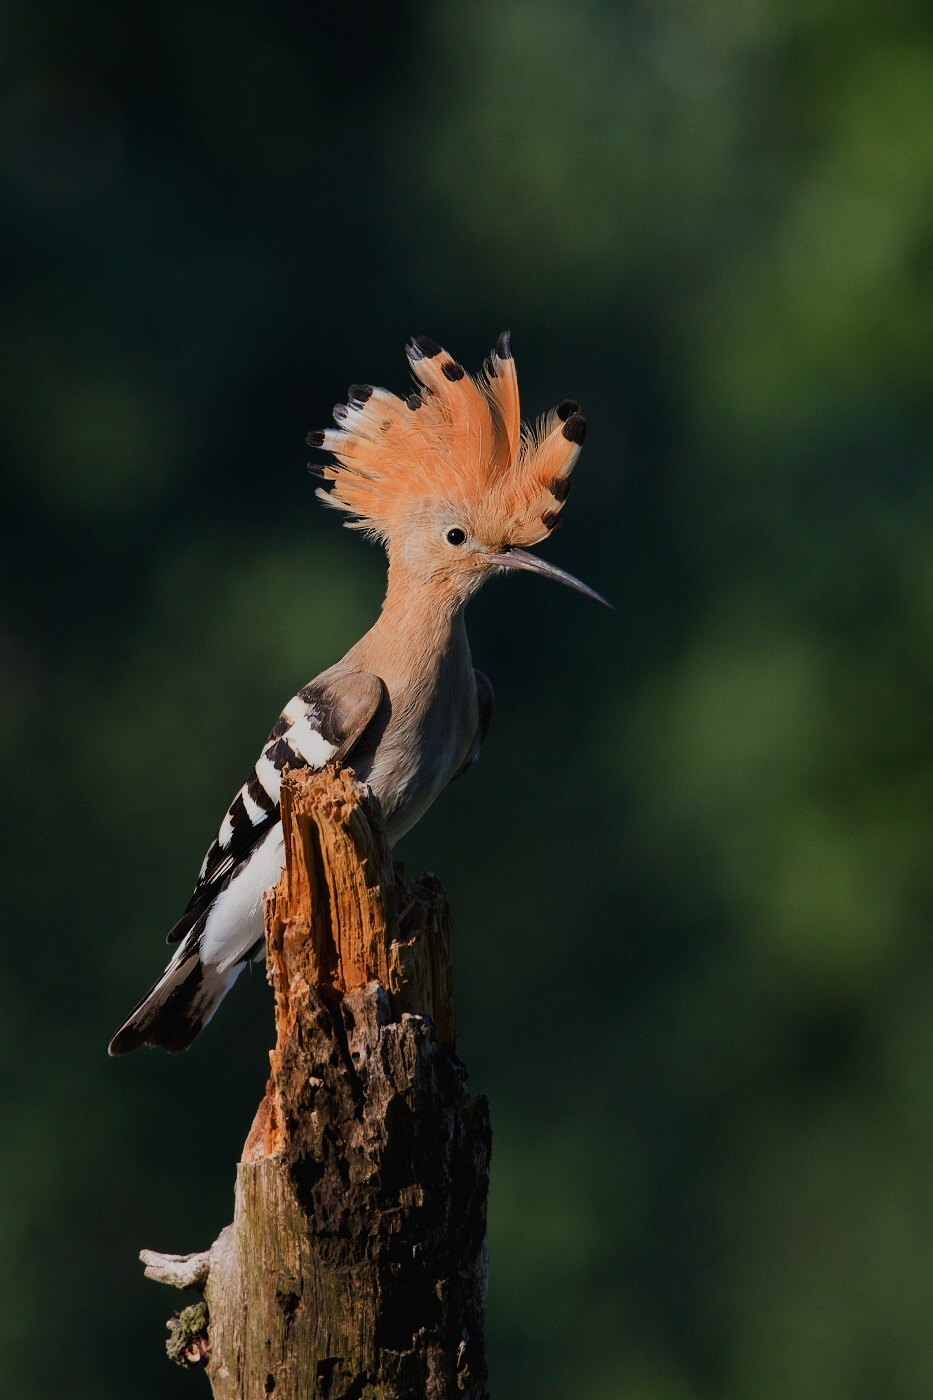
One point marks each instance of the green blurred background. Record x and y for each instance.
(692, 875)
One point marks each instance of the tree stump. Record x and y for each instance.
(356, 1264)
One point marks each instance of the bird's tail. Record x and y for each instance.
(180, 1004)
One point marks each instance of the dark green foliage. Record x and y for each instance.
(691, 876)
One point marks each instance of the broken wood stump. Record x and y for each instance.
(356, 1266)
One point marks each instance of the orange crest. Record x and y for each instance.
(456, 439)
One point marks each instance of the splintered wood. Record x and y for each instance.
(331, 919)
(331, 912)
(356, 1262)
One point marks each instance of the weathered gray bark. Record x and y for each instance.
(355, 1267)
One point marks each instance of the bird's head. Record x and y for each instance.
(450, 479)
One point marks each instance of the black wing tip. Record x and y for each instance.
(126, 1040)
(504, 346)
(174, 1036)
(171, 1015)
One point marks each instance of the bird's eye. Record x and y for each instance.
(455, 536)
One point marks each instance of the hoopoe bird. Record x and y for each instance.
(452, 483)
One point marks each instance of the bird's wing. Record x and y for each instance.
(486, 704)
(322, 723)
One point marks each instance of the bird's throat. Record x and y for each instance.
(419, 630)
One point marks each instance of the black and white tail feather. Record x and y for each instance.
(221, 930)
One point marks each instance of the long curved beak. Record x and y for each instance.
(521, 559)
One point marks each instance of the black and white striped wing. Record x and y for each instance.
(222, 927)
(321, 723)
